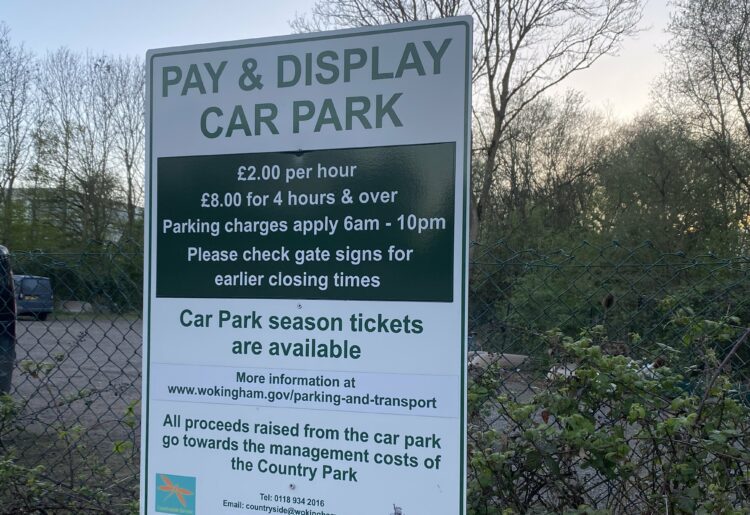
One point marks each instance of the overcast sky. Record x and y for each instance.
(619, 84)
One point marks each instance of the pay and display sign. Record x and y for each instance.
(305, 294)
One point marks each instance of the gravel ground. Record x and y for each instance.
(77, 379)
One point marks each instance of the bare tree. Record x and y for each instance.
(58, 88)
(129, 115)
(327, 14)
(707, 82)
(546, 168)
(522, 49)
(16, 114)
(77, 140)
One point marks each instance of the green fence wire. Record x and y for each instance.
(74, 408)
(608, 378)
(77, 384)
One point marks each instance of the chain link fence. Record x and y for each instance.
(601, 378)
(608, 378)
(73, 420)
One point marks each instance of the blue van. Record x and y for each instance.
(33, 296)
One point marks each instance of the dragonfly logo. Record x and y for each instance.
(175, 494)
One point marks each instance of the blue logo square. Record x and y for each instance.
(175, 494)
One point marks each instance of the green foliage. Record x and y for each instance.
(130, 417)
(616, 435)
(518, 295)
(656, 185)
(37, 489)
(31, 490)
(567, 176)
(9, 409)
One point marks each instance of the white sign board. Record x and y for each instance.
(305, 289)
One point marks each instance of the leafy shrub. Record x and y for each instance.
(616, 434)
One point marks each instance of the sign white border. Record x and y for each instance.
(149, 258)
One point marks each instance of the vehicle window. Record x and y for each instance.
(31, 286)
